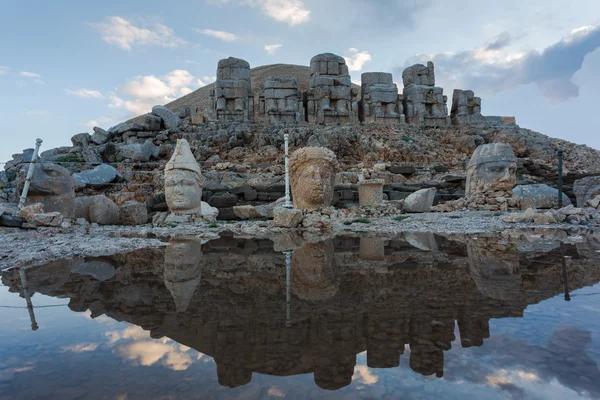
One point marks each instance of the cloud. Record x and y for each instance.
(3, 70)
(37, 113)
(140, 94)
(125, 35)
(292, 12)
(221, 35)
(391, 14)
(357, 59)
(85, 93)
(492, 68)
(81, 348)
(29, 74)
(39, 82)
(272, 48)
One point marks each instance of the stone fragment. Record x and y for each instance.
(53, 219)
(312, 173)
(223, 199)
(330, 95)
(100, 136)
(11, 221)
(150, 122)
(421, 240)
(53, 186)
(31, 209)
(97, 209)
(169, 118)
(125, 127)
(370, 193)
(420, 201)
(287, 217)
(133, 213)
(539, 196)
(247, 212)
(98, 177)
(138, 152)
(183, 181)
(594, 203)
(81, 140)
(586, 189)
(571, 210)
(209, 213)
(231, 99)
(546, 218)
(492, 167)
(518, 217)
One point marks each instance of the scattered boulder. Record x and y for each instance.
(97, 209)
(546, 218)
(100, 136)
(247, 212)
(53, 219)
(586, 189)
(223, 199)
(539, 196)
(287, 217)
(518, 217)
(209, 213)
(81, 140)
(150, 122)
(138, 152)
(420, 201)
(98, 177)
(133, 213)
(170, 119)
(125, 127)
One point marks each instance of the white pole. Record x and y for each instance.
(34, 157)
(288, 203)
(288, 287)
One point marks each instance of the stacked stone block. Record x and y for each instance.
(424, 103)
(380, 100)
(231, 99)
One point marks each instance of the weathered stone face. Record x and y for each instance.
(492, 167)
(183, 181)
(312, 173)
(313, 271)
(183, 270)
(53, 186)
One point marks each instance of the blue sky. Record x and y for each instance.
(66, 66)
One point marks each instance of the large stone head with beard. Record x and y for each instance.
(492, 167)
(312, 173)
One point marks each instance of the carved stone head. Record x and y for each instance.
(183, 270)
(313, 271)
(492, 167)
(183, 181)
(54, 187)
(312, 174)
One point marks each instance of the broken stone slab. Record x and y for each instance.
(124, 127)
(51, 219)
(133, 213)
(138, 152)
(169, 118)
(586, 189)
(287, 217)
(539, 196)
(519, 217)
(546, 218)
(420, 201)
(11, 221)
(98, 177)
(150, 122)
(81, 140)
(100, 136)
(247, 212)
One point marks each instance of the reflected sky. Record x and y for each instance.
(128, 338)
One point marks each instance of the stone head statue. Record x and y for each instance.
(183, 270)
(183, 181)
(312, 175)
(54, 187)
(492, 167)
(313, 271)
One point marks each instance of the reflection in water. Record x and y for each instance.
(315, 308)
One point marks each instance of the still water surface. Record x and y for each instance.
(415, 317)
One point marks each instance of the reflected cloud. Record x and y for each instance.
(148, 353)
(81, 347)
(132, 332)
(363, 374)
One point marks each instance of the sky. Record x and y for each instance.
(67, 66)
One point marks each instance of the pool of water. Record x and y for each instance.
(419, 316)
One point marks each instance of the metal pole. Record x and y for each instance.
(565, 278)
(560, 177)
(288, 287)
(288, 203)
(34, 157)
(34, 325)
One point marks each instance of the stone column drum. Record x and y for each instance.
(370, 193)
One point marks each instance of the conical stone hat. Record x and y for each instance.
(183, 158)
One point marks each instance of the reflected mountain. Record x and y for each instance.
(257, 310)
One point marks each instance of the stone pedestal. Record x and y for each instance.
(370, 193)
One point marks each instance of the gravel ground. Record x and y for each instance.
(37, 247)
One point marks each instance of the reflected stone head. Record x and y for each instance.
(492, 167)
(313, 271)
(183, 181)
(312, 174)
(183, 270)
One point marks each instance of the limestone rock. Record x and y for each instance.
(133, 213)
(420, 201)
(31, 209)
(125, 127)
(546, 218)
(53, 219)
(170, 119)
(151, 122)
(287, 217)
(53, 186)
(419, 74)
(539, 196)
(247, 212)
(209, 213)
(100, 136)
(81, 140)
(137, 152)
(518, 217)
(586, 189)
(98, 177)
(492, 167)
(97, 209)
